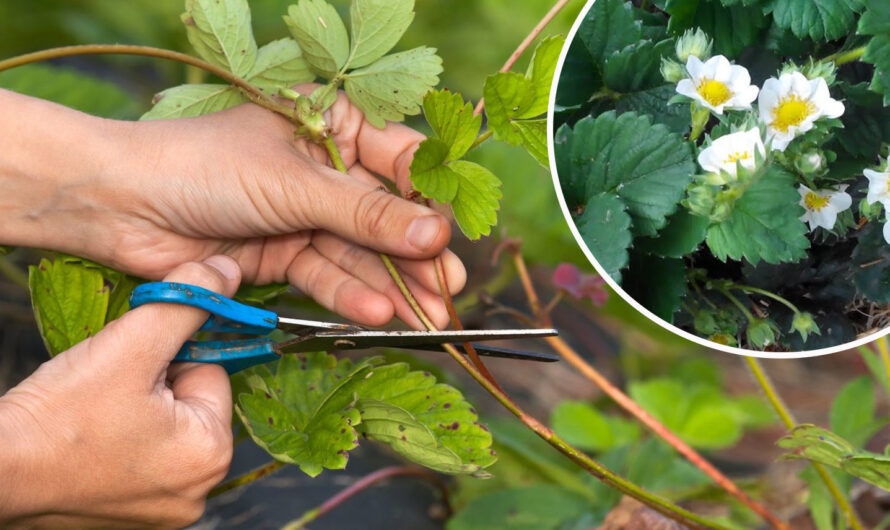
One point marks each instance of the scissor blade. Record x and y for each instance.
(299, 326)
(497, 351)
(357, 340)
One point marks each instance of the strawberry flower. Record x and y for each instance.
(717, 84)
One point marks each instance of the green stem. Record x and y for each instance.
(842, 58)
(13, 273)
(481, 138)
(406, 292)
(334, 154)
(764, 292)
(700, 119)
(735, 301)
(242, 480)
(790, 423)
(884, 351)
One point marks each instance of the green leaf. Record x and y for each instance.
(578, 78)
(377, 25)
(297, 414)
(429, 174)
(533, 137)
(821, 445)
(582, 426)
(452, 121)
(541, 70)
(605, 228)
(319, 30)
(508, 96)
(312, 409)
(866, 121)
(221, 33)
(478, 198)
(871, 261)
(427, 422)
(70, 88)
(682, 235)
(764, 224)
(732, 28)
(659, 284)
(824, 20)
(609, 26)
(538, 507)
(70, 301)
(655, 102)
(119, 298)
(185, 101)
(876, 22)
(853, 412)
(394, 86)
(646, 165)
(280, 64)
(637, 66)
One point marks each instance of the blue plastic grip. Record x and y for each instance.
(233, 355)
(226, 315)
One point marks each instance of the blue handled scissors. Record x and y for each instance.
(227, 315)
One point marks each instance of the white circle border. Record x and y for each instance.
(614, 285)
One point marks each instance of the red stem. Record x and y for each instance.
(455, 321)
(366, 482)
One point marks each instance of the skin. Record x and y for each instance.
(109, 433)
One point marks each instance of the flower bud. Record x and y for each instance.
(700, 199)
(824, 69)
(760, 333)
(693, 42)
(811, 162)
(870, 211)
(717, 179)
(672, 71)
(723, 338)
(705, 323)
(804, 324)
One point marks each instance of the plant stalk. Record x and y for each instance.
(788, 420)
(842, 58)
(366, 482)
(884, 351)
(624, 401)
(526, 42)
(242, 480)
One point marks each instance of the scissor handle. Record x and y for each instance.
(233, 355)
(226, 315)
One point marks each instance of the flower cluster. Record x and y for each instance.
(788, 107)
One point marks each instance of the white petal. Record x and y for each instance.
(744, 97)
(799, 85)
(694, 66)
(840, 201)
(780, 140)
(825, 217)
(803, 190)
(875, 176)
(710, 159)
(719, 67)
(687, 88)
(833, 108)
(887, 232)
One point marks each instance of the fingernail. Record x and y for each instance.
(422, 232)
(225, 265)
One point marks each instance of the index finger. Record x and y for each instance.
(388, 151)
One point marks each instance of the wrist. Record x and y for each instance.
(24, 465)
(53, 172)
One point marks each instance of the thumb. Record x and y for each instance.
(375, 218)
(151, 335)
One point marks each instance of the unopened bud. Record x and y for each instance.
(672, 71)
(693, 42)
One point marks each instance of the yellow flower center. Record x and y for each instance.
(714, 92)
(791, 111)
(736, 157)
(814, 201)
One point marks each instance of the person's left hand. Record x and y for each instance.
(237, 183)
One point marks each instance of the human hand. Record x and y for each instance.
(109, 434)
(235, 182)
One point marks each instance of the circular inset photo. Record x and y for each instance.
(725, 169)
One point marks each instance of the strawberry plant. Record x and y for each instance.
(311, 410)
(726, 164)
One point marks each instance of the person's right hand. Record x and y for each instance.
(144, 197)
(109, 434)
